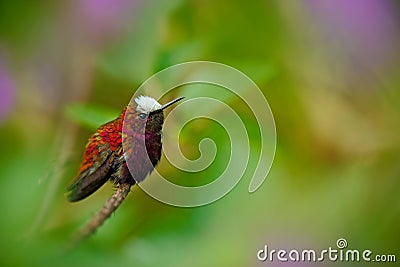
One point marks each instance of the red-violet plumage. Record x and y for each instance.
(107, 151)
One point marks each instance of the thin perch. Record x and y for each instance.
(111, 205)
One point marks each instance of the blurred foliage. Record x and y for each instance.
(329, 70)
(90, 116)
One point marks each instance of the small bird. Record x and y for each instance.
(105, 158)
(133, 139)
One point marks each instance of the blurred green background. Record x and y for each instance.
(329, 70)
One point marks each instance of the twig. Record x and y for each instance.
(111, 205)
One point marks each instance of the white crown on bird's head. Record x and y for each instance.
(146, 104)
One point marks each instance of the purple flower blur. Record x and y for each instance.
(365, 31)
(102, 18)
(7, 91)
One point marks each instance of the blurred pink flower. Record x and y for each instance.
(102, 19)
(7, 91)
(365, 32)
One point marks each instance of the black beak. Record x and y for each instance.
(168, 104)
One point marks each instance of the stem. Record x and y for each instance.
(111, 205)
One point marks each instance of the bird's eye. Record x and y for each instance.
(143, 116)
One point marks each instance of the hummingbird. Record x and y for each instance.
(132, 139)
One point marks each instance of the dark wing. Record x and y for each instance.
(94, 172)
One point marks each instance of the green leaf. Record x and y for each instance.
(90, 116)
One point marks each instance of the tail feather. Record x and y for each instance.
(88, 182)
